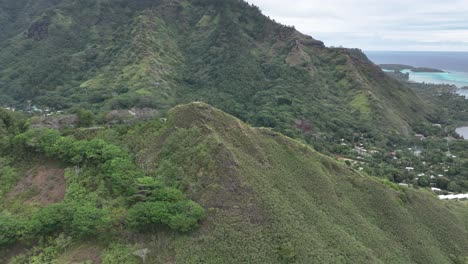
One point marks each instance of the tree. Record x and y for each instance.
(185, 215)
(442, 183)
(9, 230)
(424, 182)
(86, 118)
(7, 177)
(398, 177)
(88, 220)
(146, 215)
(54, 218)
(182, 216)
(121, 174)
(453, 187)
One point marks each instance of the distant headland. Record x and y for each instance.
(400, 67)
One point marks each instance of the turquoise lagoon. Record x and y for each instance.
(455, 65)
(459, 79)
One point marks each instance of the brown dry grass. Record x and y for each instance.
(47, 183)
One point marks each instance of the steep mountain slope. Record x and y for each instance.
(118, 54)
(268, 199)
(274, 200)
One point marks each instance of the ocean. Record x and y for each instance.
(455, 65)
(448, 61)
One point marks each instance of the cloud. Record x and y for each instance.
(377, 25)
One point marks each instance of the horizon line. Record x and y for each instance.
(453, 51)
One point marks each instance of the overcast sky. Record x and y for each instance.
(431, 25)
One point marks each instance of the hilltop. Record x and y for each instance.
(268, 199)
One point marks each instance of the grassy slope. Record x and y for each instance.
(271, 199)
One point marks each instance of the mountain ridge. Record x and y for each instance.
(238, 176)
(268, 199)
(286, 186)
(162, 53)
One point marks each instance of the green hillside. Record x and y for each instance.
(267, 199)
(292, 153)
(115, 54)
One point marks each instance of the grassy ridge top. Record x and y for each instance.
(268, 199)
(272, 199)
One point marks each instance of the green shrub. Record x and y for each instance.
(55, 218)
(8, 177)
(118, 253)
(147, 214)
(86, 118)
(89, 221)
(424, 181)
(185, 215)
(47, 251)
(182, 216)
(121, 174)
(10, 230)
(167, 194)
(102, 169)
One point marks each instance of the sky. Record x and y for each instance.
(400, 25)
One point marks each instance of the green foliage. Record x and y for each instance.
(122, 173)
(48, 251)
(53, 218)
(287, 253)
(10, 230)
(86, 118)
(75, 219)
(167, 195)
(147, 214)
(158, 59)
(271, 199)
(11, 122)
(361, 103)
(119, 170)
(184, 146)
(182, 215)
(185, 215)
(389, 184)
(15, 228)
(89, 221)
(104, 174)
(119, 253)
(424, 182)
(453, 187)
(8, 177)
(275, 200)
